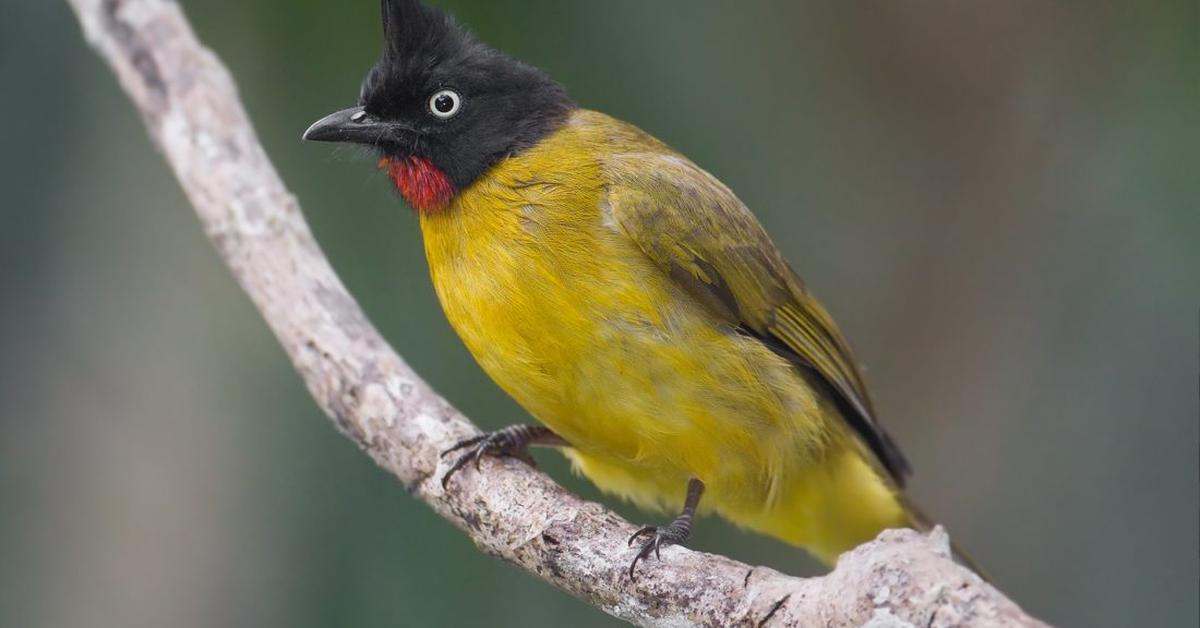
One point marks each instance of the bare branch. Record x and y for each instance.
(191, 108)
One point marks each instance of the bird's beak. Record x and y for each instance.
(353, 125)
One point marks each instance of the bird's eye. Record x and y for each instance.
(445, 104)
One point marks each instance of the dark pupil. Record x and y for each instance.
(444, 103)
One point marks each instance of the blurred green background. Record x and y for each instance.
(998, 201)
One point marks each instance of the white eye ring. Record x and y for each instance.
(439, 101)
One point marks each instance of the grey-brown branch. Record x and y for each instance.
(192, 111)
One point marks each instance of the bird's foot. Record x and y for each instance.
(677, 533)
(510, 442)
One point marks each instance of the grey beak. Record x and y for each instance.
(352, 125)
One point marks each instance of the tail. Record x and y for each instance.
(923, 523)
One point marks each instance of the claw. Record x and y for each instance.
(653, 544)
(673, 534)
(643, 531)
(460, 463)
(633, 567)
(643, 554)
(463, 444)
(508, 442)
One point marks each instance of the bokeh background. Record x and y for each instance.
(998, 201)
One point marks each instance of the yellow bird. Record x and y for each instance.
(625, 297)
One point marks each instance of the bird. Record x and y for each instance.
(624, 297)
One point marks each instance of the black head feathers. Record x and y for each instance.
(447, 97)
(414, 34)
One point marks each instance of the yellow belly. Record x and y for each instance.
(649, 387)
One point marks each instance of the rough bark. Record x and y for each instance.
(192, 111)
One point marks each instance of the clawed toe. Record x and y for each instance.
(643, 532)
(476, 447)
(658, 538)
(508, 442)
(675, 534)
(463, 444)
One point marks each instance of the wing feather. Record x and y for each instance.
(697, 231)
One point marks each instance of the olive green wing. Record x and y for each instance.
(696, 230)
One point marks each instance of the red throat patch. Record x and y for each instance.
(421, 183)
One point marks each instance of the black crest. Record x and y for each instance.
(506, 105)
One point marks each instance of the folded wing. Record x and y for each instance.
(696, 230)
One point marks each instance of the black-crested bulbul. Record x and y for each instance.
(625, 297)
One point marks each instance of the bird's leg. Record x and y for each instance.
(674, 534)
(513, 441)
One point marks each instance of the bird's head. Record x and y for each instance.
(441, 108)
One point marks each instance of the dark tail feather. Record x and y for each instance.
(922, 523)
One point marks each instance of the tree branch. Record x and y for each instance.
(191, 108)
